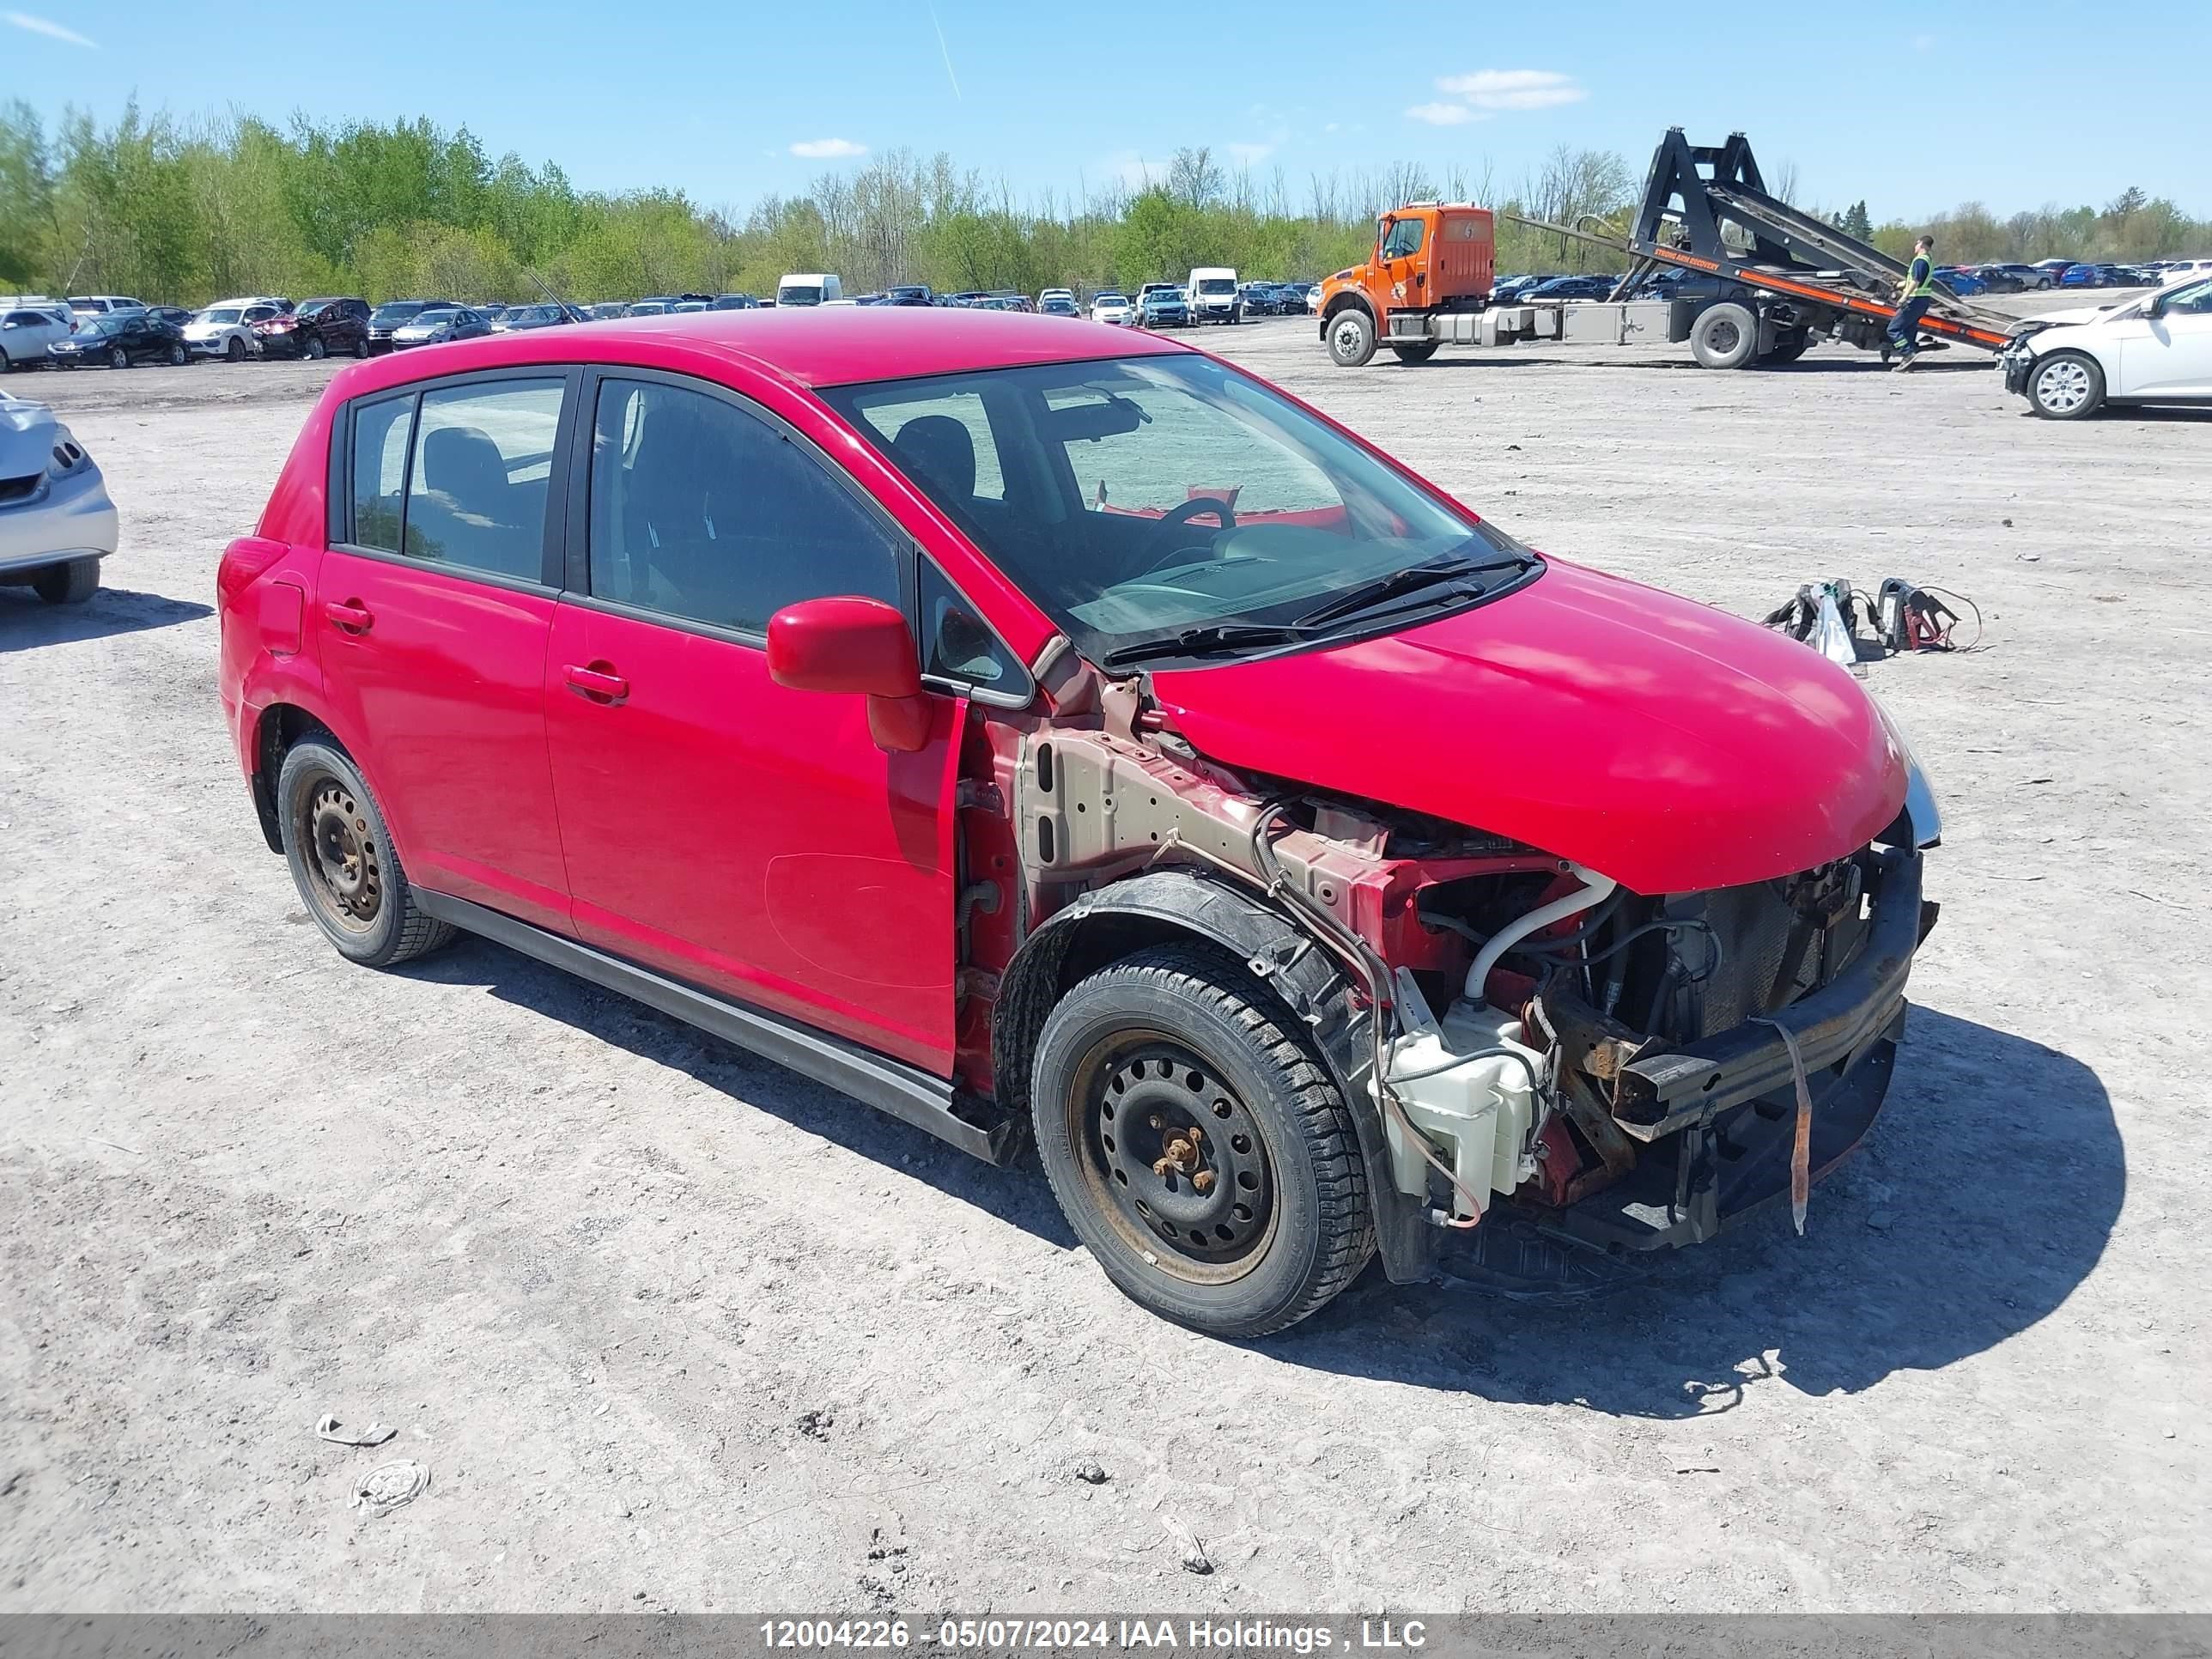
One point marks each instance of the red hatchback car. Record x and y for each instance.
(1047, 733)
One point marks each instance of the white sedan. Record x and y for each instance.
(56, 522)
(1113, 308)
(2156, 349)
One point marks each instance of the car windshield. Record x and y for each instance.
(436, 319)
(1217, 285)
(1158, 506)
(399, 312)
(98, 326)
(221, 314)
(797, 296)
(1110, 299)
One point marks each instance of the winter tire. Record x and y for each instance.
(1198, 1145)
(342, 861)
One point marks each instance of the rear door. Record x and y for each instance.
(740, 835)
(434, 610)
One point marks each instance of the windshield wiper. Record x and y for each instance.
(1203, 639)
(1435, 573)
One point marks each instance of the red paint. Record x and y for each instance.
(1658, 741)
(752, 838)
(687, 801)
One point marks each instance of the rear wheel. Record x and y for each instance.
(1415, 354)
(68, 584)
(1725, 335)
(1351, 337)
(1789, 347)
(344, 862)
(1198, 1147)
(2067, 385)
(361, 346)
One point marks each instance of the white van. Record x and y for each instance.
(802, 288)
(1211, 292)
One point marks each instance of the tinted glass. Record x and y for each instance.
(959, 646)
(483, 460)
(380, 432)
(702, 511)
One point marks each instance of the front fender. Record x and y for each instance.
(1114, 922)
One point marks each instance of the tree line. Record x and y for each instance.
(188, 211)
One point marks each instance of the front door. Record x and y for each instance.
(2170, 355)
(744, 837)
(434, 613)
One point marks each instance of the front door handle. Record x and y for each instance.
(351, 614)
(598, 683)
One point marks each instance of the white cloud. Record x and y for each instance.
(1512, 89)
(827, 149)
(46, 26)
(1446, 115)
(1134, 172)
(1250, 155)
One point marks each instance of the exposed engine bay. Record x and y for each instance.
(1535, 1039)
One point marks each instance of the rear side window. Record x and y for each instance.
(380, 435)
(481, 466)
(702, 511)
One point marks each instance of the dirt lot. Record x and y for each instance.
(673, 1329)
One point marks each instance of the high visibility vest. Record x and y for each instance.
(1927, 283)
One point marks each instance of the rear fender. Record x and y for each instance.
(1123, 917)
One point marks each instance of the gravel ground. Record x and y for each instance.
(671, 1328)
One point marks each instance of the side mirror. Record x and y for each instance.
(2157, 306)
(854, 645)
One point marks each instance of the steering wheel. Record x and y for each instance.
(1180, 517)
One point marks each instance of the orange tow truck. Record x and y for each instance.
(1744, 278)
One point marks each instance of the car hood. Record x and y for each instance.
(1664, 743)
(2074, 314)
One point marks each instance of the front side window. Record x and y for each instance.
(482, 463)
(702, 511)
(1153, 496)
(2196, 301)
(1404, 240)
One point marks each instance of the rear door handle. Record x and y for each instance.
(597, 685)
(351, 614)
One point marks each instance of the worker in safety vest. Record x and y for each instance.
(1914, 295)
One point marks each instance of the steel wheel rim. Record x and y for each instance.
(340, 856)
(1173, 1159)
(2062, 387)
(1347, 335)
(1724, 336)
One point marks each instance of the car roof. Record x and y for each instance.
(812, 347)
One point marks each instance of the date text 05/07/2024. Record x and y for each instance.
(1106, 1635)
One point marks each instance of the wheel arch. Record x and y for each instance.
(1351, 298)
(1109, 923)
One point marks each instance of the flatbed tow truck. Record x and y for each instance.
(1761, 281)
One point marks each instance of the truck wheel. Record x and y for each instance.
(2066, 385)
(1198, 1145)
(1725, 335)
(344, 862)
(1415, 354)
(1351, 337)
(72, 583)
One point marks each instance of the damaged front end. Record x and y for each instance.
(1563, 1072)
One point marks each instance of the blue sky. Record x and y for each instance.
(2014, 104)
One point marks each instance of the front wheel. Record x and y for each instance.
(177, 354)
(314, 348)
(235, 351)
(1197, 1144)
(1351, 337)
(117, 357)
(2067, 385)
(342, 861)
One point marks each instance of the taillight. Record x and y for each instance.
(242, 561)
